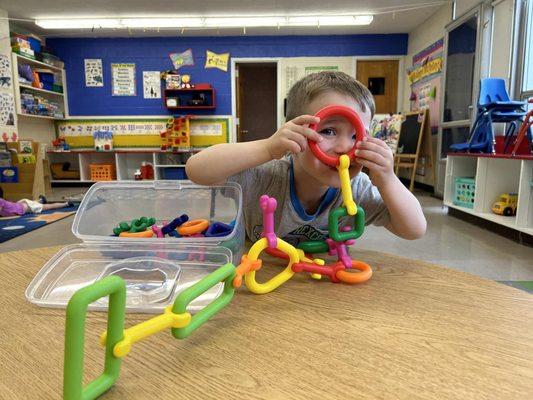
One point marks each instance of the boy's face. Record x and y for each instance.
(338, 138)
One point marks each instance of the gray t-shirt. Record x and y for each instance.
(276, 179)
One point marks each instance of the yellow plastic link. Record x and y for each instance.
(346, 187)
(140, 331)
(279, 279)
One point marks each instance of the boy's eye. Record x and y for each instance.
(327, 132)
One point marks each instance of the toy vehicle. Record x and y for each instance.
(506, 204)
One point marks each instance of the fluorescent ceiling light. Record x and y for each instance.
(162, 22)
(330, 20)
(78, 23)
(239, 22)
(206, 22)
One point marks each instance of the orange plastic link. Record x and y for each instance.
(192, 227)
(144, 234)
(244, 267)
(349, 277)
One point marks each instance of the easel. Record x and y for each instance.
(424, 149)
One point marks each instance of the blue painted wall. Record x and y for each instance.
(151, 54)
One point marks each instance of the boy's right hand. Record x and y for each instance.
(292, 136)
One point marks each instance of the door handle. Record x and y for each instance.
(244, 132)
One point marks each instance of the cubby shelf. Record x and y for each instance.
(494, 175)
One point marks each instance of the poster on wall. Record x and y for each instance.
(5, 72)
(425, 80)
(214, 60)
(94, 76)
(182, 59)
(123, 77)
(312, 70)
(151, 84)
(7, 109)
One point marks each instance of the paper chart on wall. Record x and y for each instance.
(123, 78)
(151, 84)
(94, 76)
(7, 109)
(5, 72)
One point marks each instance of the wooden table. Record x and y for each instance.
(414, 331)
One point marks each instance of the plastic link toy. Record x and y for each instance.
(118, 342)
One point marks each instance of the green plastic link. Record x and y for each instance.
(333, 224)
(314, 247)
(225, 273)
(75, 338)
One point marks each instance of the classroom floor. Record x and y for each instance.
(449, 241)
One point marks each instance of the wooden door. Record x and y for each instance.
(256, 87)
(381, 78)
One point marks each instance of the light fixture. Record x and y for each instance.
(79, 23)
(162, 22)
(205, 22)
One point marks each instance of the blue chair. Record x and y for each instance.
(494, 106)
(493, 94)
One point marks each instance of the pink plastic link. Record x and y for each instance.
(268, 205)
(340, 250)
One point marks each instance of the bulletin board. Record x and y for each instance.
(140, 133)
(425, 78)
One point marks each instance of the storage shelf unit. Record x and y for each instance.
(57, 97)
(125, 161)
(494, 175)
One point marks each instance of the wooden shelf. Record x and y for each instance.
(39, 116)
(40, 63)
(40, 90)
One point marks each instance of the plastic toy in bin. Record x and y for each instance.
(506, 204)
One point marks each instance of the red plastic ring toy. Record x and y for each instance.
(352, 117)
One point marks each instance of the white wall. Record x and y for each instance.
(462, 6)
(5, 49)
(502, 40)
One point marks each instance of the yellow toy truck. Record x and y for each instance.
(506, 204)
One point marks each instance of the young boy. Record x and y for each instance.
(284, 167)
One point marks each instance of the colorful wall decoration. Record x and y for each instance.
(140, 133)
(425, 79)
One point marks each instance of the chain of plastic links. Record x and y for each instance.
(118, 342)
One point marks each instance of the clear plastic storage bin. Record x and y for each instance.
(106, 204)
(155, 269)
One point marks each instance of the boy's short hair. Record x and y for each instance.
(307, 89)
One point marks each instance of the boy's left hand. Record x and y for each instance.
(377, 156)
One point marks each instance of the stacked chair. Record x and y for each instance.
(494, 106)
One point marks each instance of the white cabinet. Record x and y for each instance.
(494, 176)
(166, 165)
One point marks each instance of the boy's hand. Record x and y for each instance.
(292, 136)
(377, 156)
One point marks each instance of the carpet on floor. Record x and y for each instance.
(11, 227)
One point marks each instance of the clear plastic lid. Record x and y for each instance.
(154, 273)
